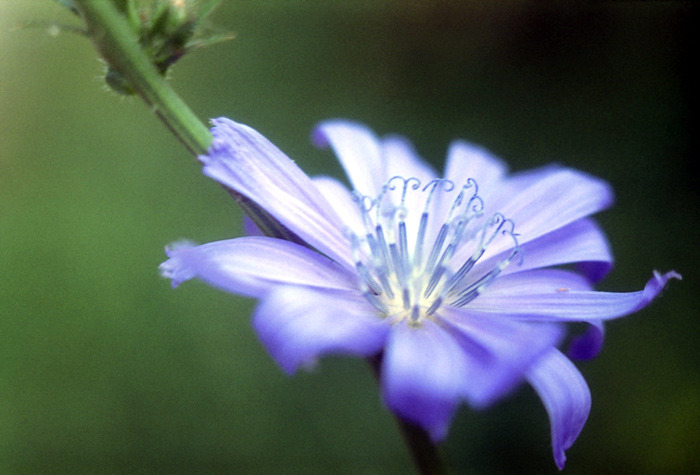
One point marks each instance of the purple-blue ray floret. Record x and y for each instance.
(454, 281)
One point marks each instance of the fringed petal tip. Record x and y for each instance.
(220, 129)
(657, 284)
(176, 268)
(654, 287)
(588, 345)
(226, 139)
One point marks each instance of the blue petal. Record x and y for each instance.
(250, 228)
(298, 325)
(545, 200)
(538, 281)
(581, 242)
(562, 304)
(582, 347)
(566, 397)
(358, 150)
(243, 160)
(588, 345)
(402, 160)
(253, 265)
(423, 376)
(340, 199)
(178, 268)
(465, 160)
(498, 351)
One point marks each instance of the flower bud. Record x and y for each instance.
(166, 31)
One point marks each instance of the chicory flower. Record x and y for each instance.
(452, 279)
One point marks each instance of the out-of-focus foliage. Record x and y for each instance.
(105, 369)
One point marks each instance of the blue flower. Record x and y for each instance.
(452, 279)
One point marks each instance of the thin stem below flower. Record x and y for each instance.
(427, 456)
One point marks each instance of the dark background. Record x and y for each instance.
(104, 369)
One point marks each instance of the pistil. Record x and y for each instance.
(400, 285)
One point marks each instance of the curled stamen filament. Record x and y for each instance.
(414, 282)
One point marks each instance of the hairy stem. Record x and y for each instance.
(109, 30)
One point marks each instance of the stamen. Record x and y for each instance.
(472, 291)
(418, 251)
(365, 204)
(437, 246)
(395, 281)
(473, 203)
(376, 303)
(406, 297)
(415, 314)
(398, 264)
(366, 278)
(460, 275)
(383, 249)
(441, 267)
(379, 265)
(403, 248)
(434, 306)
(406, 183)
(447, 185)
(462, 220)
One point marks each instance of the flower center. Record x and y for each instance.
(411, 265)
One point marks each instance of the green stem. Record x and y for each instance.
(427, 457)
(112, 35)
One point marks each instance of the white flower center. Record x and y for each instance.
(409, 266)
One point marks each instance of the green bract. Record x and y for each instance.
(166, 31)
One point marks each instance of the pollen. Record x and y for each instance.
(421, 244)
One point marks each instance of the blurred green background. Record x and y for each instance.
(104, 369)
